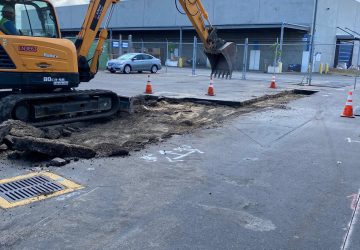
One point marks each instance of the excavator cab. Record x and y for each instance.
(28, 18)
(33, 55)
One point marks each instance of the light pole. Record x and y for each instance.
(311, 54)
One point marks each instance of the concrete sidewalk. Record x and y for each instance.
(178, 83)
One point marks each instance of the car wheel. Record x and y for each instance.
(112, 71)
(154, 69)
(127, 69)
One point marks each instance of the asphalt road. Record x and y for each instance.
(274, 179)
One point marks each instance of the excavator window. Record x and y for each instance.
(28, 18)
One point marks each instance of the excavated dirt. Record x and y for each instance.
(152, 121)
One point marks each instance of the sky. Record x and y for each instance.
(68, 2)
(73, 2)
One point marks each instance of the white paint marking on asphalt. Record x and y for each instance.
(175, 155)
(349, 140)
(245, 219)
(171, 160)
(64, 197)
(86, 194)
(352, 223)
(354, 198)
(149, 158)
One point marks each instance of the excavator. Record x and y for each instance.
(40, 71)
(221, 54)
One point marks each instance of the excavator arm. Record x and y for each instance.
(95, 15)
(220, 53)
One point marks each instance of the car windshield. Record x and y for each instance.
(126, 57)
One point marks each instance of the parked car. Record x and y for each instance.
(134, 62)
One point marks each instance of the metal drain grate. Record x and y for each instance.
(28, 188)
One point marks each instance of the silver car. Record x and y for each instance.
(134, 62)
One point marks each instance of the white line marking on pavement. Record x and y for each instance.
(349, 140)
(175, 155)
(352, 223)
(354, 198)
(64, 197)
(149, 158)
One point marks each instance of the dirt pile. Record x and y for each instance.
(152, 122)
(157, 120)
(50, 148)
(19, 136)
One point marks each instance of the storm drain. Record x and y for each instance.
(28, 188)
(22, 190)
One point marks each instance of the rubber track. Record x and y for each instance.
(8, 103)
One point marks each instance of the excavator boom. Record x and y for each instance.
(221, 54)
(95, 15)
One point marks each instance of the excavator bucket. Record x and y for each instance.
(222, 60)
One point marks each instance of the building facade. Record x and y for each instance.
(264, 22)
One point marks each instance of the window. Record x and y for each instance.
(147, 57)
(126, 57)
(139, 57)
(30, 18)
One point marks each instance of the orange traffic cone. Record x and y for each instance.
(148, 89)
(211, 91)
(273, 83)
(348, 110)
